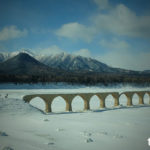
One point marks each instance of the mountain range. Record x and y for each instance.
(26, 67)
(27, 62)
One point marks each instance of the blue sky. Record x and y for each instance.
(116, 32)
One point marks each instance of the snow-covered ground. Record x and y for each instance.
(24, 127)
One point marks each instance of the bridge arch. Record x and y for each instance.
(38, 102)
(58, 104)
(135, 98)
(123, 100)
(77, 103)
(94, 102)
(146, 98)
(129, 97)
(102, 99)
(109, 101)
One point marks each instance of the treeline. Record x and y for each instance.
(77, 78)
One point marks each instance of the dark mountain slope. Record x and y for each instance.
(23, 64)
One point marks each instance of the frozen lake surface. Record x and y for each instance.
(24, 127)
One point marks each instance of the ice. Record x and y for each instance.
(24, 126)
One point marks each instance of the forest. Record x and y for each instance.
(86, 78)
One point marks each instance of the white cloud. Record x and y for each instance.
(114, 44)
(127, 60)
(123, 55)
(83, 52)
(52, 50)
(122, 21)
(12, 32)
(118, 20)
(102, 4)
(76, 31)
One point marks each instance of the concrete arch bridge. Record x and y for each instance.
(48, 98)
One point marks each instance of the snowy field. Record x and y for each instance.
(24, 126)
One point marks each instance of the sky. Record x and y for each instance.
(116, 32)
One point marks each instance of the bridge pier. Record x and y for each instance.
(129, 101)
(68, 99)
(86, 98)
(102, 99)
(86, 105)
(141, 101)
(68, 105)
(149, 96)
(116, 102)
(116, 99)
(102, 103)
(48, 107)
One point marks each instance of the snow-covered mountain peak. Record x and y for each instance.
(7, 55)
(26, 51)
(71, 62)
